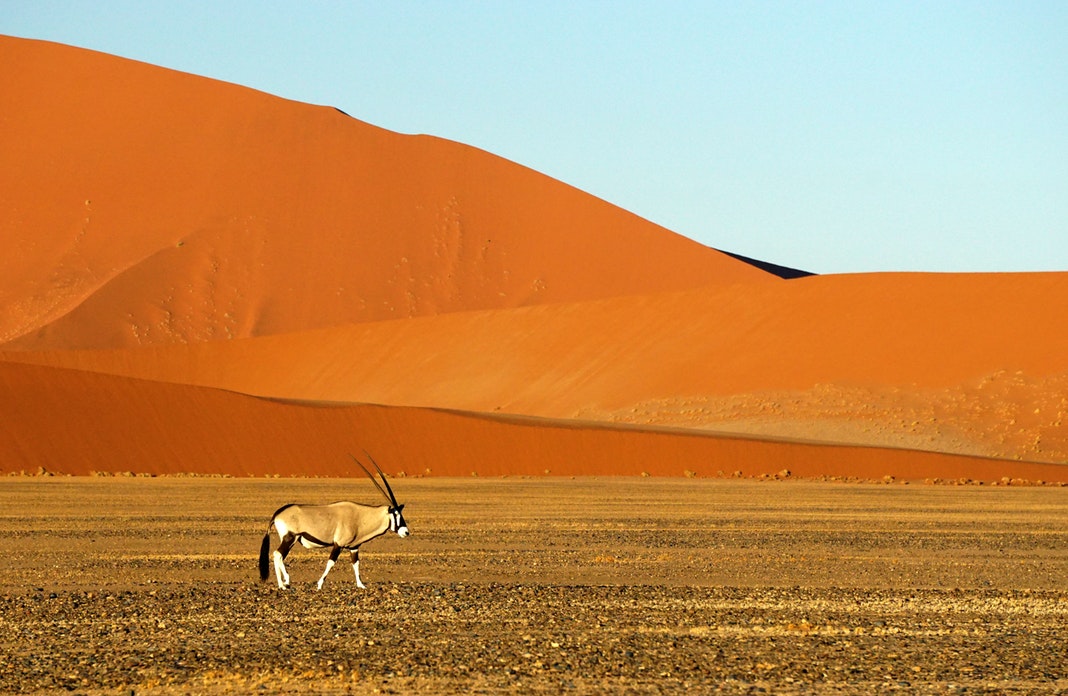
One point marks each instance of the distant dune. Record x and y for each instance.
(102, 423)
(205, 278)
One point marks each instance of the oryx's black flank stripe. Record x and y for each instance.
(309, 537)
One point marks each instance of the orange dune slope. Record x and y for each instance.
(973, 364)
(199, 277)
(140, 205)
(72, 422)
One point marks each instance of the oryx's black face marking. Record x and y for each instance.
(396, 521)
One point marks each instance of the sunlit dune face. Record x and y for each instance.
(244, 300)
(273, 216)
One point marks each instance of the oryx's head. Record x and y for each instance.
(396, 510)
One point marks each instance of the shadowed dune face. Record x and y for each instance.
(950, 363)
(118, 424)
(206, 278)
(146, 206)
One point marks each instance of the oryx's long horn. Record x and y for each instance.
(371, 476)
(392, 497)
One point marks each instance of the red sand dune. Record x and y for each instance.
(184, 429)
(180, 246)
(937, 362)
(147, 206)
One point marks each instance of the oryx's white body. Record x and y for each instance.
(340, 526)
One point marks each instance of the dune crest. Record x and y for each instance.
(148, 206)
(203, 277)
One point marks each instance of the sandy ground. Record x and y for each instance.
(539, 586)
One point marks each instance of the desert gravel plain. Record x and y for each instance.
(539, 585)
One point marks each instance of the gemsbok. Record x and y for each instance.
(342, 525)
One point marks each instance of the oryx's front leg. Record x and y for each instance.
(356, 568)
(280, 554)
(334, 553)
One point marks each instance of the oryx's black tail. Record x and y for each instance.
(265, 549)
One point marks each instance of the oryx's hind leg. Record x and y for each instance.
(334, 553)
(356, 568)
(280, 554)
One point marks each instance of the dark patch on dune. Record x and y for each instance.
(782, 271)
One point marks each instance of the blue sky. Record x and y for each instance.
(829, 136)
